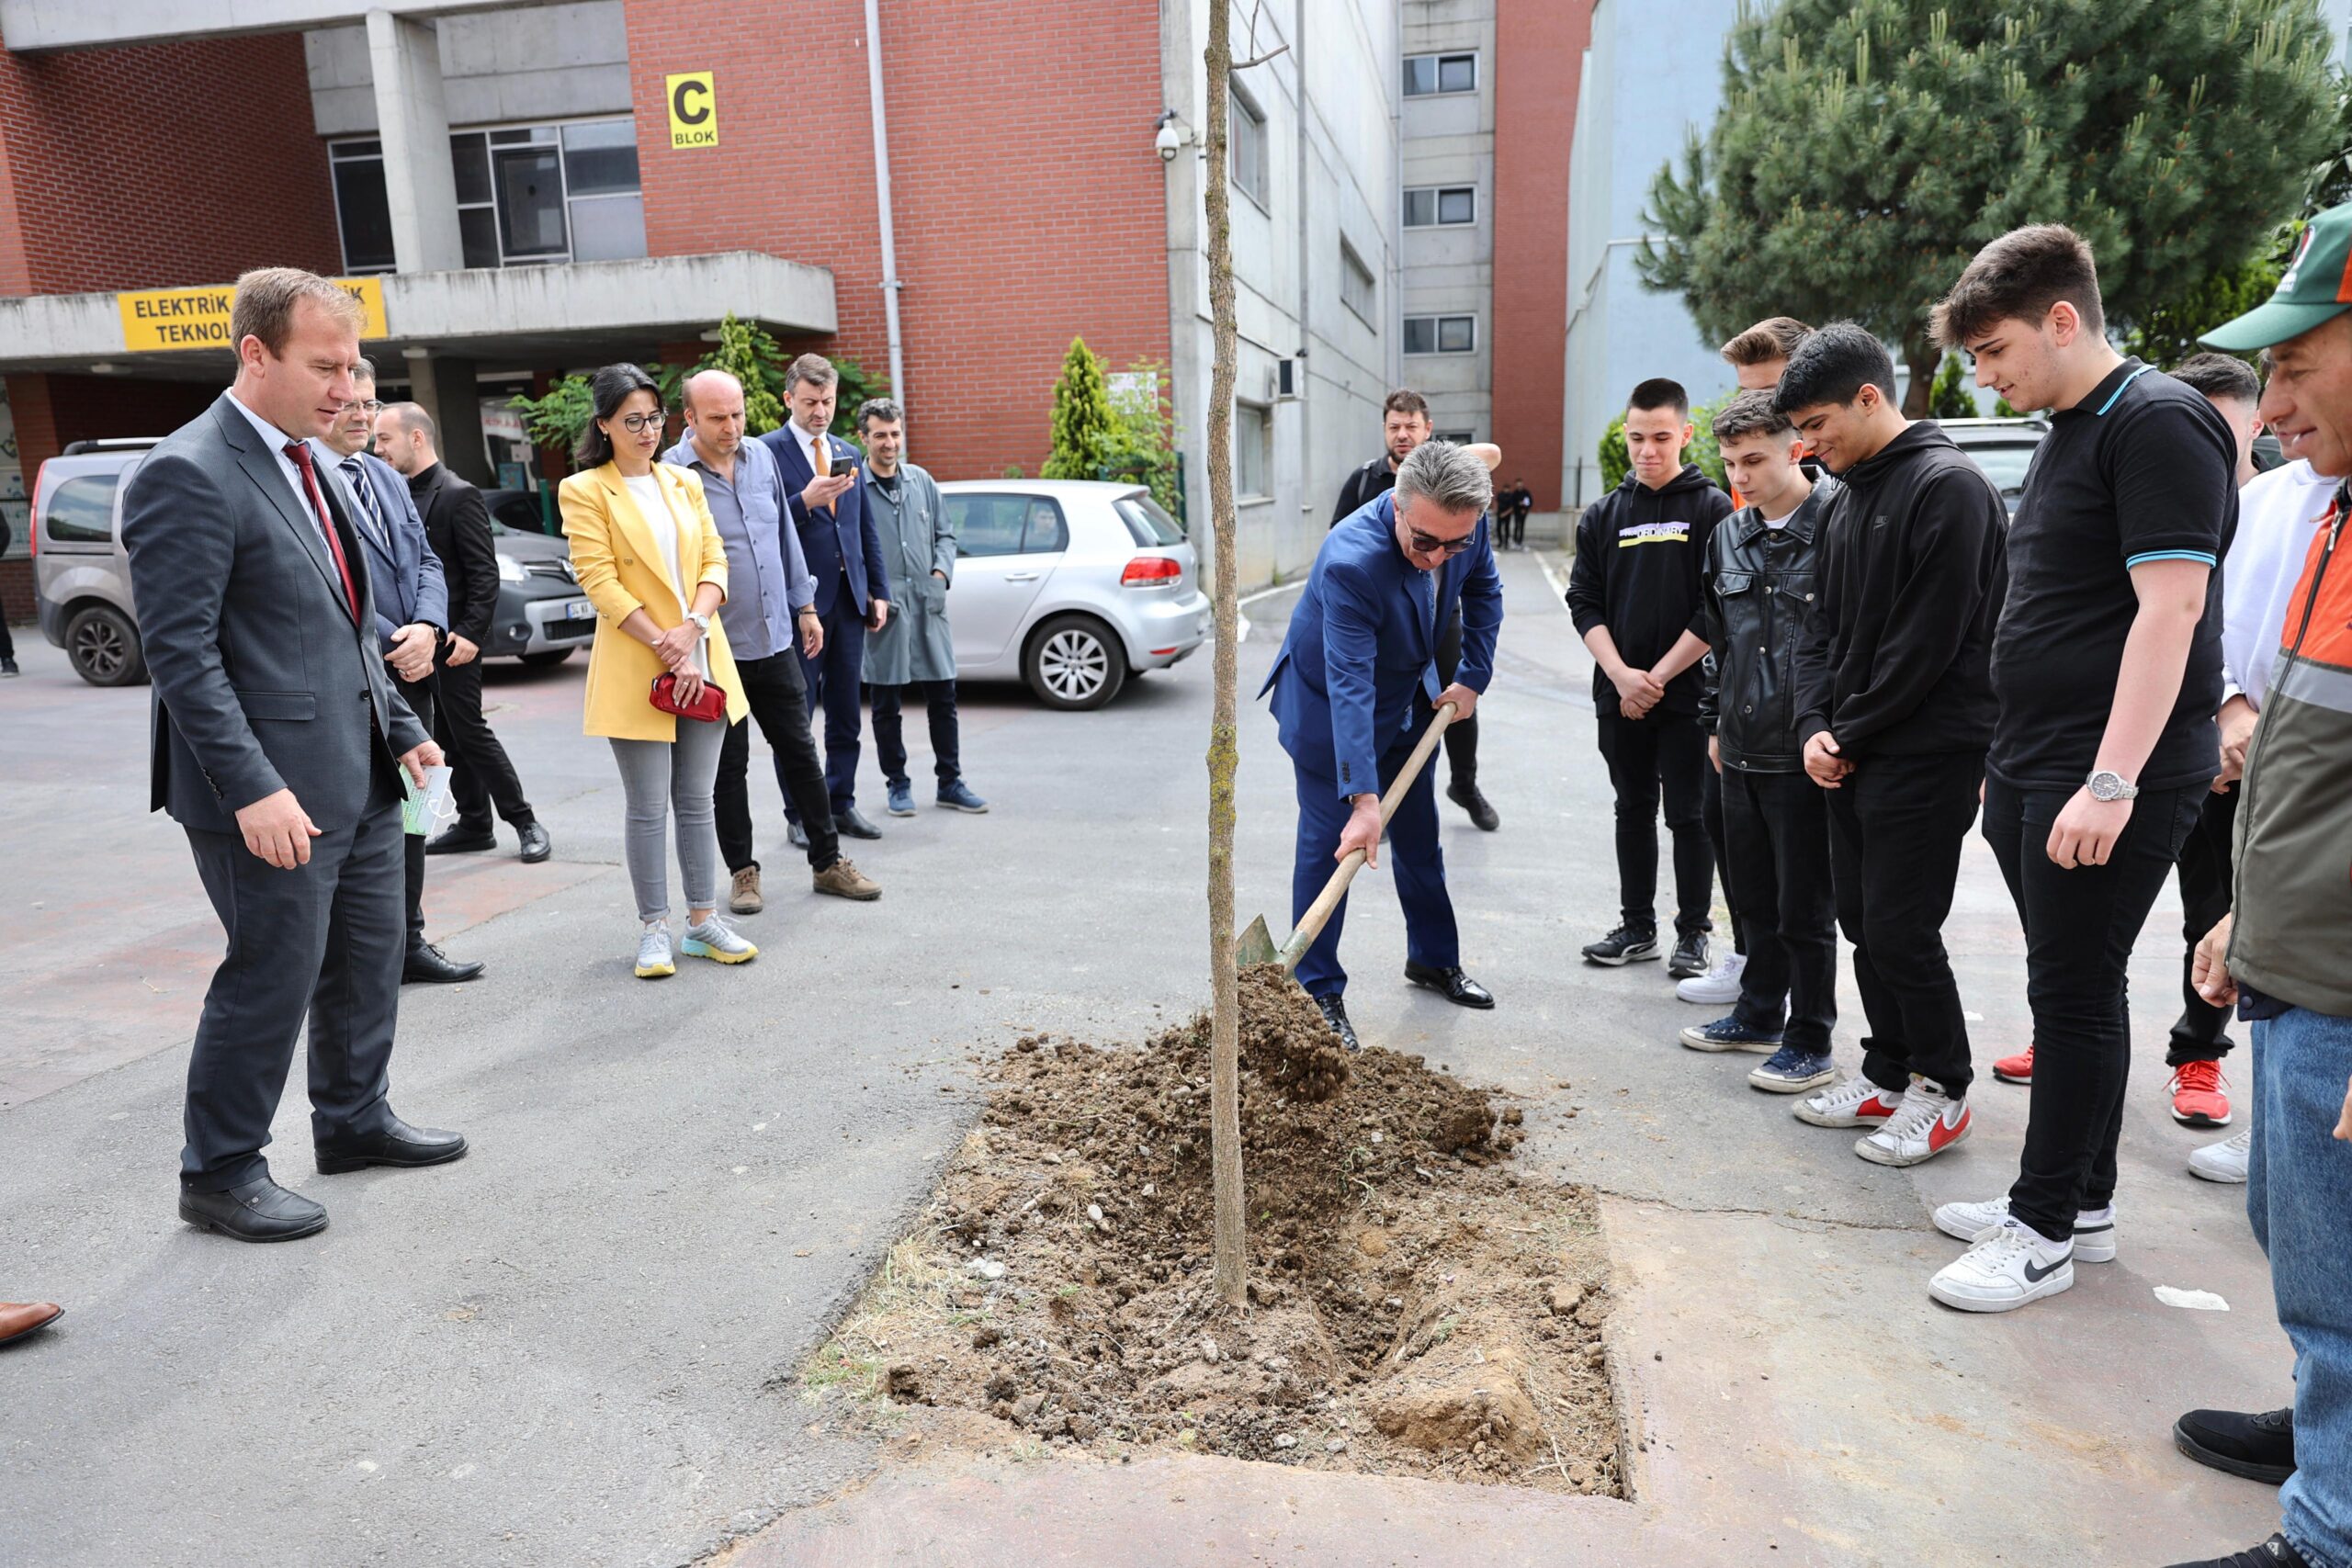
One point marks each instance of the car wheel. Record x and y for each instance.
(549, 655)
(104, 647)
(1075, 663)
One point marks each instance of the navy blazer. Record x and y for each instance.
(406, 574)
(833, 538)
(1358, 656)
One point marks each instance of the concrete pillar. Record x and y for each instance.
(420, 182)
(446, 389)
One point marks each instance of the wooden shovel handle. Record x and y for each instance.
(1310, 924)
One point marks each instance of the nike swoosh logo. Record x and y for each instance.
(1941, 1134)
(2035, 1276)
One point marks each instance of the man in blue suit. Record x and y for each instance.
(412, 614)
(1356, 687)
(844, 555)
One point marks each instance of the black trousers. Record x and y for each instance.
(479, 775)
(834, 682)
(1462, 736)
(2201, 1032)
(2080, 924)
(890, 730)
(323, 940)
(419, 694)
(1714, 813)
(1896, 825)
(779, 703)
(1663, 755)
(1776, 841)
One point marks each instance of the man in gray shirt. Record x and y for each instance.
(769, 608)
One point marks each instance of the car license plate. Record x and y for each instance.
(580, 609)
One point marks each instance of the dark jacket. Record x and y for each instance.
(1760, 583)
(409, 582)
(457, 525)
(834, 539)
(1373, 478)
(1636, 572)
(1897, 651)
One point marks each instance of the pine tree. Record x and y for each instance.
(1949, 398)
(1083, 418)
(1867, 148)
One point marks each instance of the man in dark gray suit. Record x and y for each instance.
(412, 618)
(279, 742)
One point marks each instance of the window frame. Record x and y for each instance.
(1261, 417)
(1440, 59)
(1352, 266)
(1438, 322)
(1436, 197)
(1258, 187)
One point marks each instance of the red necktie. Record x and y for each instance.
(301, 456)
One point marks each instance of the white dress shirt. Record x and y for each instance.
(2277, 513)
(276, 440)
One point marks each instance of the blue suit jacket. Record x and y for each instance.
(405, 572)
(1358, 658)
(835, 537)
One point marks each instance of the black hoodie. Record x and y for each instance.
(1896, 655)
(1636, 572)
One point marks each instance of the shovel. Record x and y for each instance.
(1256, 946)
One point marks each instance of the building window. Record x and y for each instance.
(1440, 334)
(1253, 449)
(1358, 290)
(1426, 75)
(1248, 138)
(527, 196)
(1427, 207)
(1456, 437)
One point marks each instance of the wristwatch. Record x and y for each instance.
(701, 621)
(2108, 784)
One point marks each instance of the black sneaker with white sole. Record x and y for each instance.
(1689, 960)
(2276, 1552)
(1623, 945)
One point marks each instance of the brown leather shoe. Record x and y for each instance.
(745, 899)
(20, 1318)
(843, 880)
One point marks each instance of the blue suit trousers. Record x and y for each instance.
(833, 679)
(1412, 853)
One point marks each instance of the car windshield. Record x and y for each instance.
(1148, 520)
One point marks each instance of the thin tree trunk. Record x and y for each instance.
(1925, 360)
(1225, 1012)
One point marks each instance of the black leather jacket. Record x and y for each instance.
(1757, 583)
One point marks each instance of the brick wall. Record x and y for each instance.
(1539, 45)
(156, 164)
(1028, 200)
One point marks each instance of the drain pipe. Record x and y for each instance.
(891, 283)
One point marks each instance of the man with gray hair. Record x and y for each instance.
(1356, 687)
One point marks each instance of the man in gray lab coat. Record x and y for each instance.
(912, 652)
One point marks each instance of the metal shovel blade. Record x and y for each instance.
(1255, 945)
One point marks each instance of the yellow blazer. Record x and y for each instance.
(620, 566)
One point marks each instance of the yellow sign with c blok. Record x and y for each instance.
(693, 110)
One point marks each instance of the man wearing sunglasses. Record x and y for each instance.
(1356, 685)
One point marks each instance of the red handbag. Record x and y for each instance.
(709, 706)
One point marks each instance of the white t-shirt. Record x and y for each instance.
(1781, 521)
(653, 505)
(2278, 513)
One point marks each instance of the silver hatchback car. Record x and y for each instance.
(1069, 586)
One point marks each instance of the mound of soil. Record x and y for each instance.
(1414, 1307)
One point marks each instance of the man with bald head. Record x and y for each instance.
(771, 620)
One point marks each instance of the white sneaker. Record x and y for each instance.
(1857, 1103)
(653, 960)
(715, 939)
(2009, 1266)
(1718, 985)
(2094, 1228)
(2224, 1161)
(1928, 1122)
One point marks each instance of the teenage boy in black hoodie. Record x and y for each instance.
(1895, 710)
(1633, 592)
(1762, 570)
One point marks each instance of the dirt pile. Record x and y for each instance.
(1414, 1307)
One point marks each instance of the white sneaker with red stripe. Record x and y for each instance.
(1857, 1103)
(1928, 1122)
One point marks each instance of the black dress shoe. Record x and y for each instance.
(2259, 1446)
(537, 845)
(428, 965)
(398, 1145)
(797, 834)
(1464, 794)
(461, 842)
(850, 821)
(259, 1211)
(1452, 984)
(1336, 1015)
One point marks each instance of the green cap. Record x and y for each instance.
(2318, 286)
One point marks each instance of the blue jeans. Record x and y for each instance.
(2298, 1194)
(1412, 855)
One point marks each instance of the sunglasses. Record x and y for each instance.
(1425, 543)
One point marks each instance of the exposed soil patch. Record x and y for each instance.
(1415, 1308)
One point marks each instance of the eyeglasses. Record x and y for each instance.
(1425, 543)
(634, 423)
(369, 404)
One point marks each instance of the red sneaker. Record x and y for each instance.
(2197, 1097)
(2016, 1069)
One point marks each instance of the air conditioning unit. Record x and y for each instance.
(1287, 378)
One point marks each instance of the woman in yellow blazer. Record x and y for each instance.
(649, 557)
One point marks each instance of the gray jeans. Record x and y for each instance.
(665, 778)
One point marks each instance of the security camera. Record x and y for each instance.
(1167, 143)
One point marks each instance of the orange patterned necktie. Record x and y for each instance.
(823, 449)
